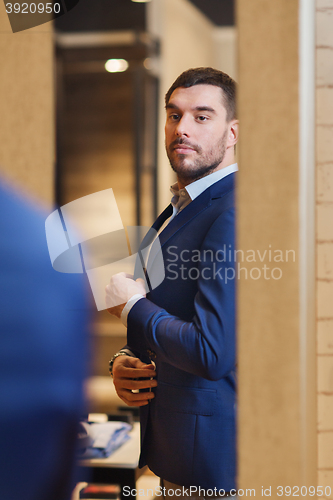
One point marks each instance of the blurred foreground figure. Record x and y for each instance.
(43, 339)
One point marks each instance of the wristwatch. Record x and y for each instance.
(115, 356)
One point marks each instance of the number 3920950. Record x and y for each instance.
(33, 8)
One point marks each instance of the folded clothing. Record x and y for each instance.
(101, 439)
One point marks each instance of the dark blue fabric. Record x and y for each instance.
(188, 430)
(43, 358)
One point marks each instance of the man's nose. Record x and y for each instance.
(183, 127)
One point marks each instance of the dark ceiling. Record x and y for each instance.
(108, 15)
(104, 15)
(220, 12)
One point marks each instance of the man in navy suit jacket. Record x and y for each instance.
(181, 335)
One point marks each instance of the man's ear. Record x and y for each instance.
(233, 133)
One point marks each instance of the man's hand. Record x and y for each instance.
(125, 370)
(120, 289)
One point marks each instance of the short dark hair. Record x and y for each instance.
(208, 76)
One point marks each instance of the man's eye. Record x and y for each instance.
(202, 118)
(174, 117)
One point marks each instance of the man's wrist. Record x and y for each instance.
(128, 306)
(114, 357)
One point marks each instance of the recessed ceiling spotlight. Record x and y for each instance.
(116, 65)
(141, 1)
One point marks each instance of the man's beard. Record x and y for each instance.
(202, 165)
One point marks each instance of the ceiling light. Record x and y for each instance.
(141, 1)
(148, 63)
(116, 65)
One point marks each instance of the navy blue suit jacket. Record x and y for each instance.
(188, 325)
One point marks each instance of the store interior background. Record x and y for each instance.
(69, 129)
(108, 124)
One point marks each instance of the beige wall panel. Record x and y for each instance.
(325, 412)
(325, 374)
(324, 143)
(325, 478)
(324, 119)
(188, 41)
(324, 299)
(325, 337)
(325, 261)
(324, 71)
(325, 105)
(324, 20)
(270, 449)
(26, 108)
(325, 181)
(324, 221)
(225, 40)
(325, 442)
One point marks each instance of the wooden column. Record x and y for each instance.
(276, 306)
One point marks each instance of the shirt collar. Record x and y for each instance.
(182, 197)
(197, 187)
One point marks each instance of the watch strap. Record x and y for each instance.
(115, 356)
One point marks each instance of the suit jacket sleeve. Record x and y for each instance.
(204, 346)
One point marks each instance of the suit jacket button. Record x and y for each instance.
(151, 353)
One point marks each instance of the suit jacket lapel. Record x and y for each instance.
(139, 270)
(203, 201)
(192, 210)
(151, 234)
(167, 212)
